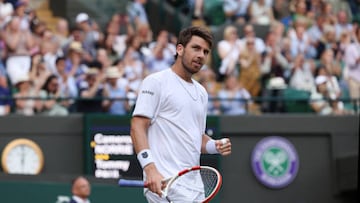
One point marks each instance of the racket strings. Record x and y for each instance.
(210, 180)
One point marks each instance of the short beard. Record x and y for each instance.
(187, 68)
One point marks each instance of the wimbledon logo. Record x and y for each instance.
(275, 162)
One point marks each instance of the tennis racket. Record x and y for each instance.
(210, 177)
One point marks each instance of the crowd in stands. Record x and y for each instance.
(309, 47)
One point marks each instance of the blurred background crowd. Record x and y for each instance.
(308, 52)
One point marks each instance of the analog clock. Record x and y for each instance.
(22, 156)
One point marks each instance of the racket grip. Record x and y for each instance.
(131, 183)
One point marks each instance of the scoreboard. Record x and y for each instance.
(109, 152)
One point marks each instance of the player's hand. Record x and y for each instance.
(154, 179)
(223, 146)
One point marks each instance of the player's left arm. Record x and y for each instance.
(211, 146)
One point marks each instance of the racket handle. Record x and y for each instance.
(131, 183)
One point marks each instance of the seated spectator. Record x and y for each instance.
(67, 84)
(62, 32)
(281, 10)
(137, 13)
(19, 44)
(233, 98)
(92, 36)
(116, 103)
(250, 68)
(302, 77)
(274, 63)
(249, 32)
(91, 92)
(328, 41)
(117, 31)
(229, 50)
(300, 41)
(321, 102)
(6, 11)
(342, 23)
(75, 66)
(38, 72)
(260, 13)
(236, 11)
(5, 94)
(331, 64)
(133, 64)
(161, 55)
(207, 78)
(52, 103)
(351, 59)
(27, 100)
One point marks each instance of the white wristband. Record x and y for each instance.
(211, 147)
(145, 157)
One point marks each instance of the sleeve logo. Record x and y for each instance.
(147, 92)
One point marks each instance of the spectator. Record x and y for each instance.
(50, 48)
(260, 13)
(316, 31)
(103, 59)
(75, 66)
(281, 10)
(81, 190)
(236, 11)
(26, 99)
(67, 84)
(5, 103)
(51, 95)
(321, 102)
(19, 44)
(331, 64)
(91, 35)
(342, 23)
(250, 64)
(134, 67)
(300, 41)
(21, 11)
(352, 61)
(327, 41)
(229, 50)
(198, 8)
(274, 62)
(161, 55)
(62, 32)
(234, 99)
(207, 78)
(116, 103)
(137, 13)
(302, 77)
(38, 73)
(91, 92)
(6, 11)
(249, 32)
(116, 34)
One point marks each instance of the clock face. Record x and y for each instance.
(22, 156)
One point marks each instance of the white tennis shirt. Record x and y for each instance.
(177, 110)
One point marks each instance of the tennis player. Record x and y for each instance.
(169, 119)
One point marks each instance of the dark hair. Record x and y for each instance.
(186, 34)
(60, 58)
(47, 82)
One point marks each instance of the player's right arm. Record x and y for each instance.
(139, 128)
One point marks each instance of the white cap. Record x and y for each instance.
(320, 79)
(81, 17)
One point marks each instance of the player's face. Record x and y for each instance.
(194, 55)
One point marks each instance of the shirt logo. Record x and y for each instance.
(275, 162)
(144, 155)
(147, 92)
